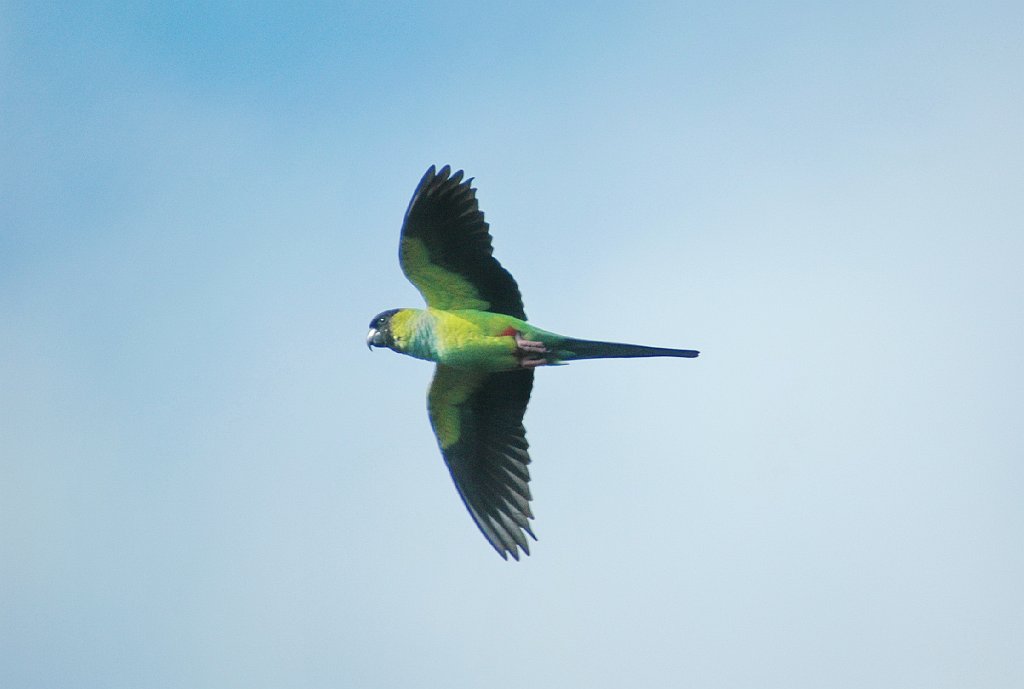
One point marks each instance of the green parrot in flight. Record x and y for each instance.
(474, 328)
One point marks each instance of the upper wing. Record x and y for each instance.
(446, 249)
(478, 420)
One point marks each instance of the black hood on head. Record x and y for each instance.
(380, 330)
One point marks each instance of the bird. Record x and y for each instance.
(474, 328)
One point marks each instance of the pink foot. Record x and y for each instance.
(529, 352)
(530, 346)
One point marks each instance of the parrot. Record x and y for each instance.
(474, 329)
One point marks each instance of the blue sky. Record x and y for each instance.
(207, 481)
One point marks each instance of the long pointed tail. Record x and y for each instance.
(571, 350)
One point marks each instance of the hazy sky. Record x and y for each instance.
(206, 481)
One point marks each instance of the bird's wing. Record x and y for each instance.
(446, 249)
(478, 420)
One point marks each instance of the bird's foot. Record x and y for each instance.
(529, 346)
(530, 352)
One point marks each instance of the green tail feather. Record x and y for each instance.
(571, 350)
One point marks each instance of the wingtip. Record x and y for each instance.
(444, 177)
(514, 549)
(505, 550)
(425, 180)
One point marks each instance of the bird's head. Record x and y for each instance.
(380, 330)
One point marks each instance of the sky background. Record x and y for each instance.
(206, 481)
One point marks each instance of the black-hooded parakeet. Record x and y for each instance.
(474, 328)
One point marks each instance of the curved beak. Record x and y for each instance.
(375, 338)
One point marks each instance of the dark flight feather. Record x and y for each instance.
(489, 461)
(445, 216)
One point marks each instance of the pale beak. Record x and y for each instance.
(374, 339)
